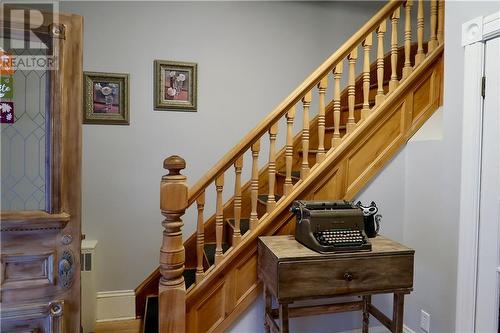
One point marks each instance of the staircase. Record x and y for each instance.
(205, 283)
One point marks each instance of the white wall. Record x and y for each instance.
(250, 55)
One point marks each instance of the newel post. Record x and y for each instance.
(172, 290)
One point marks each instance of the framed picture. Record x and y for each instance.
(175, 85)
(106, 98)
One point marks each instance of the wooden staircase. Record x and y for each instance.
(205, 283)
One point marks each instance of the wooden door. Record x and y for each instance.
(41, 166)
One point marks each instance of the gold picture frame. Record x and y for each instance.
(175, 85)
(106, 98)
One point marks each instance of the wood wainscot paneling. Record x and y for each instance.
(425, 99)
(372, 152)
(333, 187)
(245, 277)
(206, 314)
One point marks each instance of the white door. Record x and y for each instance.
(488, 278)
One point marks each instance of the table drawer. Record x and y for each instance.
(330, 277)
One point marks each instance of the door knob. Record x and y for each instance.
(66, 269)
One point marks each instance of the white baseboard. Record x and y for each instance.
(380, 329)
(115, 305)
(406, 329)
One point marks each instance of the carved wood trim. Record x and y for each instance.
(32, 220)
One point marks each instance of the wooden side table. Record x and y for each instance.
(291, 272)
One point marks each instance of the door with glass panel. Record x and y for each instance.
(40, 106)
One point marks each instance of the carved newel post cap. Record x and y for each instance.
(174, 164)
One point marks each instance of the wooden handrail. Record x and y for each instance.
(290, 101)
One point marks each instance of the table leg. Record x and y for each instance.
(367, 300)
(283, 317)
(267, 308)
(397, 313)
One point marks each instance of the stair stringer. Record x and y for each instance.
(231, 286)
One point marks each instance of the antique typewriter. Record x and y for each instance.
(330, 226)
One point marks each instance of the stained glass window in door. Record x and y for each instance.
(24, 152)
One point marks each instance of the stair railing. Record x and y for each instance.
(175, 198)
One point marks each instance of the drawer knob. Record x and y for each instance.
(348, 276)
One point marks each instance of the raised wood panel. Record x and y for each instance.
(210, 311)
(374, 148)
(245, 277)
(27, 271)
(421, 98)
(426, 106)
(34, 318)
(333, 188)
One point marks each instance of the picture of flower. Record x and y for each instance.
(106, 98)
(175, 85)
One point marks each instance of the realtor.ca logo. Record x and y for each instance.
(30, 48)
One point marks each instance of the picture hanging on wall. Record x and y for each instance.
(106, 98)
(175, 85)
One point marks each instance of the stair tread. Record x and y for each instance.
(311, 151)
(244, 225)
(332, 128)
(295, 174)
(210, 251)
(263, 197)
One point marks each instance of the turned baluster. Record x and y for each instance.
(380, 97)
(238, 165)
(290, 115)
(440, 27)
(219, 218)
(351, 121)
(407, 69)
(322, 85)
(271, 200)
(337, 75)
(304, 171)
(393, 83)
(433, 42)
(254, 185)
(200, 237)
(367, 45)
(172, 290)
(420, 56)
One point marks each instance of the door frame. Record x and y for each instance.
(475, 33)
